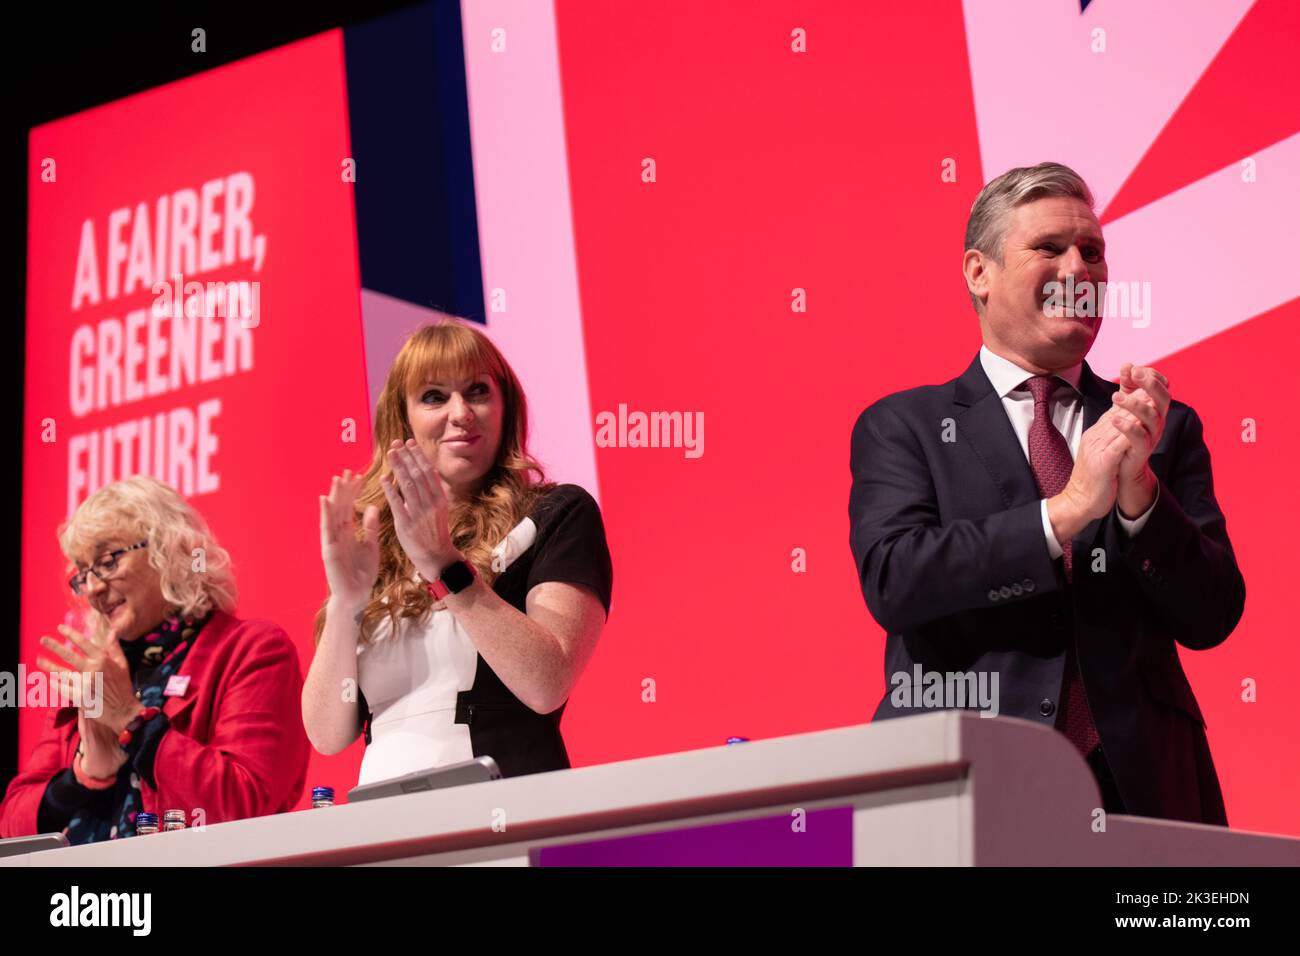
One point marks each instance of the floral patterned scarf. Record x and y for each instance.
(152, 660)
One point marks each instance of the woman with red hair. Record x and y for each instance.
(466, 592)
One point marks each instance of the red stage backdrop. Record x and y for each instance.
(824, 171)
(843, 166)
(231, 176)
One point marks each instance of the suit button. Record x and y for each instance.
(994, 595)
(1005, 591)
(1017, 590)
(1028, 584)
(1046, 707)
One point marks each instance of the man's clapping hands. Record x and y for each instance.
(1139, 410)
(1111, 466)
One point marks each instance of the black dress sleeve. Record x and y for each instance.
(571, 546)
(364, 707)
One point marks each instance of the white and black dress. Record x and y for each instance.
(429, 699)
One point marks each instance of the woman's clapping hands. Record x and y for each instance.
(351, 563)
(420, 511)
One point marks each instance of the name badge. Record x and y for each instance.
(177, 685)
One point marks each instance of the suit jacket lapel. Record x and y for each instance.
(1096, 396)
(983, 422)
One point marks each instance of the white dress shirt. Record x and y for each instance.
(1067, 415)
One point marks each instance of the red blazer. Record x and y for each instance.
(236, 747)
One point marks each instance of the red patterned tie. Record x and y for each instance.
(1050, 458)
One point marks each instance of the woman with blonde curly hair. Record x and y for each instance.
(466, 592)
(197, 709)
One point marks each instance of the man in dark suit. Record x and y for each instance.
(1030, 522)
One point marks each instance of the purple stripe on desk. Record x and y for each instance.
(824, 839)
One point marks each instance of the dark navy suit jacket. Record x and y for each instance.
(953, 562)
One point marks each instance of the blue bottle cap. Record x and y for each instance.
(145, 819)
(737, 740)
(322, 793)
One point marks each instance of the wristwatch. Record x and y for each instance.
(455, 578)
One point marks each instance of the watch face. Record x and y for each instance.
(457, 577)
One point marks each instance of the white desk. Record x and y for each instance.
(944, 788)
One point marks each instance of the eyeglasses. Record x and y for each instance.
(102, 569)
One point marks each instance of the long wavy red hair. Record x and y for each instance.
(445, 351)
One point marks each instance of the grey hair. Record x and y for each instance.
(986, 229)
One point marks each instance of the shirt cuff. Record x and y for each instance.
(1053, 546)
(1133, 526)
